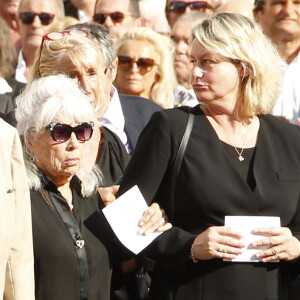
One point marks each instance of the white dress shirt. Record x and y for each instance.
(4, 86)
(288, 103)
(114, 119)
(21, 68)
(192, 100)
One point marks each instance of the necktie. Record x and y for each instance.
(184, 98)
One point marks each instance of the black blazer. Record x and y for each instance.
(208, 188)
(70, 10)
(137, 112)
(6, 104)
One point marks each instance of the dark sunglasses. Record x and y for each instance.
(179, 7)
(144, 64)
(117, 17)
(62, 132)
(28, 17)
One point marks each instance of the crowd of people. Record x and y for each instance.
(103, 94)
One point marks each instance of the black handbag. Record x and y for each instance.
(143, 279)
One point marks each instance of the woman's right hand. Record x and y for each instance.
(217, 242)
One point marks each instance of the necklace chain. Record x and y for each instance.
(241, 157)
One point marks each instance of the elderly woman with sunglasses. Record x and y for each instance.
(73, 245)
(145, 66)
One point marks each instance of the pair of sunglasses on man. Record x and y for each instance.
(179, 7)
(28, 18)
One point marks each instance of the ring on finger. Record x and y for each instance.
(222, 248)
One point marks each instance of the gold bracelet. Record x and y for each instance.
(192, 254)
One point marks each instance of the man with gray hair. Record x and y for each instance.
(34, 18)
(174, 9)
(180, 33)
(280, 20)
(124, 115)
(117, 15)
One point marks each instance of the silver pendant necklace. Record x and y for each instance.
(240, 156)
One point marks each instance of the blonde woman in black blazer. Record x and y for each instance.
(239, 161)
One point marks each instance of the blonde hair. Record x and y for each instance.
(81, 50)
(162, 91)
(239, 39)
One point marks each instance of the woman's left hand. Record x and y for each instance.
(108, 194)
(153, 219)
(283, 245)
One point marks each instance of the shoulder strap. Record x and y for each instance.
(178, 161)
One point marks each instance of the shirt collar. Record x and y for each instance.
(4, 86)
(21, 68)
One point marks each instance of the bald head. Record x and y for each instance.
(242, 7)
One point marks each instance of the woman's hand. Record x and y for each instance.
(217, 242)
(154, 219)
(283, 245)
(108, 194)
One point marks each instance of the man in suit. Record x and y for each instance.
(280, 20)
(174, 9)
(117, 16)
(16, 253)
(180, 33)
(81, 10)
(124, 115)
(34, 18)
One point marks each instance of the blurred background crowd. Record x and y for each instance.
(151, 41)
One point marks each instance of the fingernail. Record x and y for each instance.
(254, 244)
(140, 231)
(141, 223)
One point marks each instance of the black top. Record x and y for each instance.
(208, 188)
(113, 157)
(60, 271)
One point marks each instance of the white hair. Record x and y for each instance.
(38, 106)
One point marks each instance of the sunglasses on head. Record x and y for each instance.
(28, 18)
(144, 64)
(62, 132)
(117, 17)
(56, 35)
(179, 7)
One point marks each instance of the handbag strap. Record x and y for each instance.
(178, 161)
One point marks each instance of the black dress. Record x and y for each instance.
(209, 187)
(61, 272)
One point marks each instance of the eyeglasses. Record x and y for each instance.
(62, 132)
(179, 7)
(56, 35)
(28, 18)
(117, 17)
(144, 64)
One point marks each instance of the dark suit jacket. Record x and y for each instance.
(137, 112)
(17, 88)
(70, 9)
(6, 104)
(208, 188)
